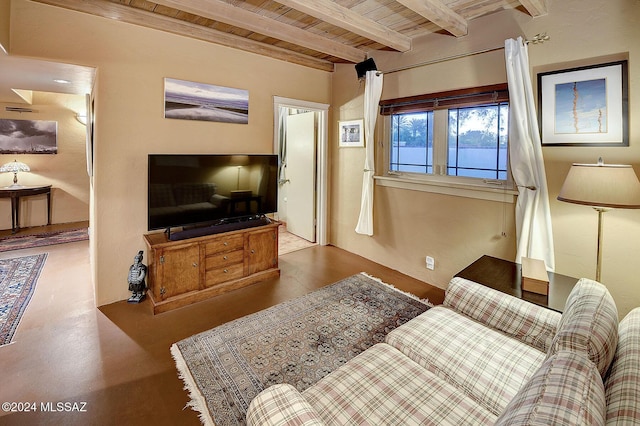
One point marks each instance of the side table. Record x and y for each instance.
(506, 276)
(16, 192)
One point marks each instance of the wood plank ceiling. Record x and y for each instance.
(313, 33)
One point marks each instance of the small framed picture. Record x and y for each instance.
(351, 133)
(586, 106)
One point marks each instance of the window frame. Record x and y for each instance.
(440, 103)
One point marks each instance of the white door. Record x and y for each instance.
(301, 175)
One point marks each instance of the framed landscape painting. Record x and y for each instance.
(188, 100)
(586, 106)
(28, 136)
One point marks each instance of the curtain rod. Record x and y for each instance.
(537, 39)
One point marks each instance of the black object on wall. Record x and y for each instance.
(364, 66)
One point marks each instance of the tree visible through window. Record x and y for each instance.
(412, 142)
(477, 141)
(462, 133)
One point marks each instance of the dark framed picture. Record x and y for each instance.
(586, 106)
(28, 136)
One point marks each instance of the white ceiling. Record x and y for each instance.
(37, 75)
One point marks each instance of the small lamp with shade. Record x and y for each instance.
(14, 167)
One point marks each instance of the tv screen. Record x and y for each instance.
(206, 189)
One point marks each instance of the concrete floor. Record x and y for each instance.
(114, 361)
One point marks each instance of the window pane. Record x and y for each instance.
(504, 138)
(477, 141)
(412, 142)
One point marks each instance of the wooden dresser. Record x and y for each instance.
(187, 271)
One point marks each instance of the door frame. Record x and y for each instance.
(322, 178)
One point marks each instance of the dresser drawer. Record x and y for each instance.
(220, 275)
(219, 260)
(233, 242)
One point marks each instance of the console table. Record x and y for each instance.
(16, 192)
(187, 271)
(506, 276)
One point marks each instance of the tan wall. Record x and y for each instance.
(132, 62)
(65, 171)
(5, 14)
(410, 225)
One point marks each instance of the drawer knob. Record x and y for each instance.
(195, 265)
(226, 271)
(225, 243)
(224, 257)
(253, 251)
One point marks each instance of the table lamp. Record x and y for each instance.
(14, 167)
(603, 187)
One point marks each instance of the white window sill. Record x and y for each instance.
(467, 190)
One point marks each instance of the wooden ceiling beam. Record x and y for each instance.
(106, 9)
(342, 17)
(440, 14)
(224, 12)
(535, 7)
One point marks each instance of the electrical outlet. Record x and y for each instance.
(431, 263)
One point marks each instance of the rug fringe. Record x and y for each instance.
(406, 293)
(197, 402)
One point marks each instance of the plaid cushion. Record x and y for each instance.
(622, 384)
(589, 323)
(191, 193)
(383, 387)
(566, 390)
(488, 366)
(161, 195)
(529, 323)
(281, 405)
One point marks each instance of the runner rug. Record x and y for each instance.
(297, 342)
(18, 278)
(44, 239)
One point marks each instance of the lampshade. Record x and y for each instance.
(602, 185)
(14, 167)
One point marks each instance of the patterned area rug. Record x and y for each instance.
(297, 342)
(45, 239)
(18, 277)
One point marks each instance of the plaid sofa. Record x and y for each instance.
(185, 203)
(481, 358)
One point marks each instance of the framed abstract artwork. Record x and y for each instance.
(586, 106)
(351, 133)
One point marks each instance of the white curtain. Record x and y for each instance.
(372, 93)
(282, 145)
(533, 216)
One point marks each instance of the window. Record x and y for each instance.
(477, 141)
(459, 136)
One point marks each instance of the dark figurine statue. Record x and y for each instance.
(137, 274)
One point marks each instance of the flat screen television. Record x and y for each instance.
(195, 190)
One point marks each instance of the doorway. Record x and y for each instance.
(300, 139)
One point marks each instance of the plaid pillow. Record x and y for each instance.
(589, 323)
(281, 405)
(622, 384)
(192, 193)
(566, 390)
(529, 323)
(161, 195)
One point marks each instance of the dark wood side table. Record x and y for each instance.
(506, 276)
(16, 192)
